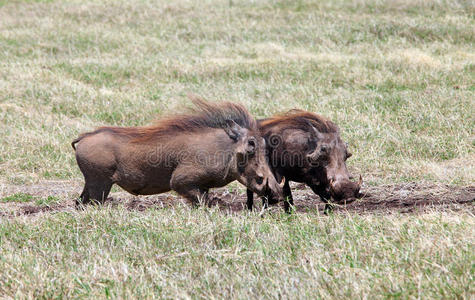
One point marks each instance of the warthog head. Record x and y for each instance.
(329, 158)
(252, 167)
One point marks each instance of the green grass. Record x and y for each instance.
(396, 76)
(18, 197)
(207, 254)
(48, 201)
(24, 197)
(3, 2)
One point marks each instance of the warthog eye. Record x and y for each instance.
(251, 146)
(324, 149)
(259, 180)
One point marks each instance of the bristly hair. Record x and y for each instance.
(203, 115)
(300, 119)
(206, 114)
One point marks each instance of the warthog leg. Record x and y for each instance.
(328, 208)
(250, 199)
(289, 201)
(95, 190)
(185, 181)
(195, 196)
(83, 198)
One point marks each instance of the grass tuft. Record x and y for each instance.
(18, 197)
(204, 253)
(396, 76)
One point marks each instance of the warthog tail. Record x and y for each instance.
(73, 144)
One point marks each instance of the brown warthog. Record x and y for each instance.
(212, 146)
(306, 147)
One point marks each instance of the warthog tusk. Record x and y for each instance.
(281, 184)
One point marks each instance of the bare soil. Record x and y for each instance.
(399, 198)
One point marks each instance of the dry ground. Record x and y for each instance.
(399, 241)
(386, 199)
(397, 76)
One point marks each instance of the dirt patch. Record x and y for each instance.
(58, 188)
(400, 198)
(223, 199)
(403, 198)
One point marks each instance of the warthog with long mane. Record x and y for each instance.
(211, 146)
(306, 147)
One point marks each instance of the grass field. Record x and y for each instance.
(398, 77)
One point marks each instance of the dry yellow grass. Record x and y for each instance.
(397, 76)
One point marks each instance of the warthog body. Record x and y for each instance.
(210, 147)
(305, 147)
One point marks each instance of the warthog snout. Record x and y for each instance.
(272, 187)
(345, 191)
(277, 189)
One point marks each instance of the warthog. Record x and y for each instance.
(306, 147)
(211, 146)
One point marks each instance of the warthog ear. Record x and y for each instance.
(233, 130)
